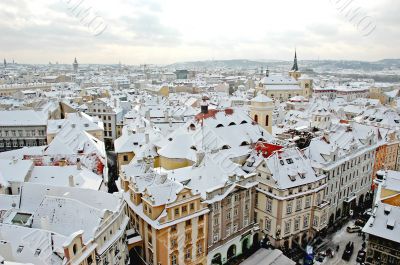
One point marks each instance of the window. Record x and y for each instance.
(188, 254)
(288, 225)
(266, 120)
(173, 242)
(289, 207)
(315, 221)
(184, 209)
(256, 118)
(228, 216)
(236, 211)
(199, 249)
(188, 222)
(297, 224)
(176, 211)
(298, 204)
(216, 221)
(125, 158)
(268, 224)
(192, 206)
(308, 202)
(174, 260)
(228, 231)
(269, 205)
(306, 220)
(19, 249)
(74, 249)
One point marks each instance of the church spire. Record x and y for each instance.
(295, 67)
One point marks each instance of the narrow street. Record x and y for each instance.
(341, 238)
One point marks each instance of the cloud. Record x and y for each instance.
(160, 31)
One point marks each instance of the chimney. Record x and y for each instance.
(71, 181)
(267, 73)
(204, 105)
(199, 158)
(163, 178)
(326, 136)
(147, 137)
(78, 164)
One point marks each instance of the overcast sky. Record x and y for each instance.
(167, 31)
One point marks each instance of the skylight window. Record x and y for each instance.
(289, 161)
(282, 163)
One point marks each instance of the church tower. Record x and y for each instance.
(75, 65)
(261, 109)
(294, 72)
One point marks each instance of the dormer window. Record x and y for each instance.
(282, 163)
(20, 248)
(243, 122)
(37, 252)
(232, 123)
(289, 161)
(219, 126)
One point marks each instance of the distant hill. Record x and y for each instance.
(324, 64)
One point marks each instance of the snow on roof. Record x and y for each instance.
(209, 174)
(79, 120)
(261, 98)
(268, 257)
(345, 142)
(279, 80)
(32, 195)
(290, 168)
(29, 245)
(72, 141)
(215, 131)
(392, 180)
(14, 170)
(60, 176)
(163, 193)
(384, 223)
(23, 118)
(66, 216)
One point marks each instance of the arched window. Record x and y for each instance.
(266, 120)
(74, 249)
(256, 118)
(219, 125)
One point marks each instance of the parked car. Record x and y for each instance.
(359, 222)
(348, 251)
(361, 256)
(353, 228)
